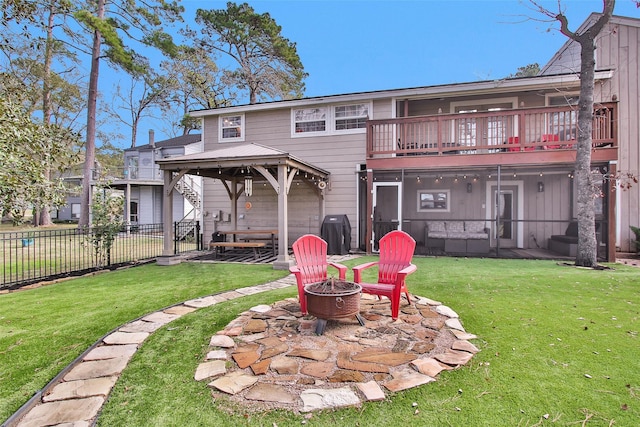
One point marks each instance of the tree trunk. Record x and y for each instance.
(90, 144)
(586, 255)
(45, 216)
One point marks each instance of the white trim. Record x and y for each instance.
(513, 100)
(330, 120)
(459, 89)
(375, 201)
(221, 127)
(548, 96)
(520, 210)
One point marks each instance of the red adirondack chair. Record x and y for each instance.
(310, 252)
(396, 252)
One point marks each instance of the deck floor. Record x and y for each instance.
(265, 255)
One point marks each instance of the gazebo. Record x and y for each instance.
(238, 166)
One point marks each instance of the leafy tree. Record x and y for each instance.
(268, 63)
(196, 83)
(25, 146)
(587, 244)
(34, 65)
(530, 70)
(106, 223)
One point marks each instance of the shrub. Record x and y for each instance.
(636, 242)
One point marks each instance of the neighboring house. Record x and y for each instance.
(142, 183)
(500, 153)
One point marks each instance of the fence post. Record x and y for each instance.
(198, 237)
(175, 238)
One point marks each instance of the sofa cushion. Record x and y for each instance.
(436, 226)
(474, 226)
(457, 235)
(437, 235)
(565, 239)
(477, 236)
(455, 226)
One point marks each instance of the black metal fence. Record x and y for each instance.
(29, 257)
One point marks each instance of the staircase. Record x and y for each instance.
(191, 191)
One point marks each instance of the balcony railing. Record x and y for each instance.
(519, 130)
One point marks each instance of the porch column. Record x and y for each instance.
(612, 241)
(127, 207)
(369, 238)
(234, 205)
(283, 261)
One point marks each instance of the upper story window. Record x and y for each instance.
(231, 128)
(131, 172)
(314, 121)
(351, 116)
(310, 120)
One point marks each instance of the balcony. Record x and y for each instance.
(520, 136)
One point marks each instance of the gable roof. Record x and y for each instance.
(567, 58)
(178, 141)
(504, 85)
(230, 160)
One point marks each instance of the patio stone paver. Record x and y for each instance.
(371, 391)
(81, 388)
(270, 393)
(126, 338)
(111, 352)
(210, 369)
(317, 399)
(361, 362)
(97, 368)
(279, 371)
(63, 411)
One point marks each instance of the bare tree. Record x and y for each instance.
(587, 244)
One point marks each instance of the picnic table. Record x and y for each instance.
(247, 239)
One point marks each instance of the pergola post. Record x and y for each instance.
(283, 262)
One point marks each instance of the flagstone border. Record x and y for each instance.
(77, 394)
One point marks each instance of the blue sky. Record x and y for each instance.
(366, 45)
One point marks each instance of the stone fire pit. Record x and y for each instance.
(333, 299)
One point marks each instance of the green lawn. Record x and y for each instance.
(559, 345)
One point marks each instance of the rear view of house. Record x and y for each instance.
(468, 168)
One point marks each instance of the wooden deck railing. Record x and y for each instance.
(519, 130)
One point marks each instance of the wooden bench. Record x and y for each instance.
(240, 245)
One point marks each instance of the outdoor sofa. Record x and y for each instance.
(458, 236)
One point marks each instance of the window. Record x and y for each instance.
(351, 116)
(133, 214)
(75, 210)
(231, 128)
(132, 168)
(310, 120)
(563, 123)
(337, 119)
(433, 200)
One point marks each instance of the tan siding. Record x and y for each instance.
(338, 154)
(626, 43)
(382, 109)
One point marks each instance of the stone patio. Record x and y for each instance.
(270, 356)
